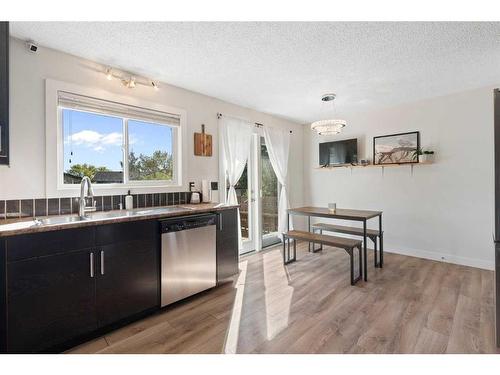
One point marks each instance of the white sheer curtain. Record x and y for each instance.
(278, 147)
(236, 139)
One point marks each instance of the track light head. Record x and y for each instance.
(109, 74)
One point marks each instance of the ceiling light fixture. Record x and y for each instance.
(127, 79)
(131, 83)
(109, 74)
(330, 126)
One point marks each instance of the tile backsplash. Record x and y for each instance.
(21, 208)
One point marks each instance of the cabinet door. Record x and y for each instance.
(128, 270)
(227, 244)
(51, 299)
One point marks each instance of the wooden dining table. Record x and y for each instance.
(345, 214)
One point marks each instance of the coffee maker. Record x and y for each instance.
(194, 196)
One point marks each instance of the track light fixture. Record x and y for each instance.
(129, 80)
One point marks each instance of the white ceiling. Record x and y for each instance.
(284, 68)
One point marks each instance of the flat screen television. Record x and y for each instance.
(338, 152)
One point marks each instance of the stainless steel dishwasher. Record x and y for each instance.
(188, 256)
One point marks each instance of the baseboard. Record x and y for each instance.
(438, 256)
(447, 258)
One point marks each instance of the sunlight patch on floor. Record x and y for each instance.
(278, 295)
(231, 343)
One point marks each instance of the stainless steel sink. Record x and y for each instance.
(57, 220)
(96, 216)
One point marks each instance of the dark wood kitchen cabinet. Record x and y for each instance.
(51, 300)
(59, 290)
(127, 274)
(227, 244)
(50, 289)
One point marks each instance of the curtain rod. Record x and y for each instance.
(257, 124)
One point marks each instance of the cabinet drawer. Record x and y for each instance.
(48, 243)
(141, 230)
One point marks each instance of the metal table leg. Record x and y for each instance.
(288, 248)
(381, 239)
(375, 257)
(365, 262)
(284, 250)
(309, 229)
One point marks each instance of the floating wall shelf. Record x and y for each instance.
(374, 166)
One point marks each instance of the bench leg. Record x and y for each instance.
(294, 250)
(288, 248)
(351, 255)
(354, 280)
(284, 244)
(360, 264)
(314, 249)
(286, 251)
(375, 260)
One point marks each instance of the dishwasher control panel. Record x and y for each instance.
(186, 223)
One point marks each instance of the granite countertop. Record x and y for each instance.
(14, 227)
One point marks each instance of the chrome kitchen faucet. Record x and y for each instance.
(83, 209)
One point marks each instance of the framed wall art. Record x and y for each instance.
(396, 148)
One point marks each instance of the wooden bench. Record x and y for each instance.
(372, 234)
(348, 244)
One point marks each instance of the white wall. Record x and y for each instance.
(444, 210)
(441, 210)
(25, 178)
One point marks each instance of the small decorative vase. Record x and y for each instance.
(427, 158)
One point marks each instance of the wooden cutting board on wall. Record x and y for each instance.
(202, 143)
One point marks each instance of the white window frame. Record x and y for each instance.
(55, 185)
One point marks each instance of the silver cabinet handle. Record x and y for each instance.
(102, 262)
(220, 221)
(91, 264)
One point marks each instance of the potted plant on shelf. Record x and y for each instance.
(423, 156)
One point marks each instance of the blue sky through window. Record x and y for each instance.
(146, 138)
(97, 139)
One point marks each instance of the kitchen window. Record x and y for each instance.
(116, 144)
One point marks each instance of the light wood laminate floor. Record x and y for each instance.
(412, 305)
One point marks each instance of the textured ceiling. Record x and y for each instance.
(284, 68)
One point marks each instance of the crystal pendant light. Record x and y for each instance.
(330, 126)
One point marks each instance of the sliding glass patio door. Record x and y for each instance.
(269, 189)
(245, 194)
(257, 193)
